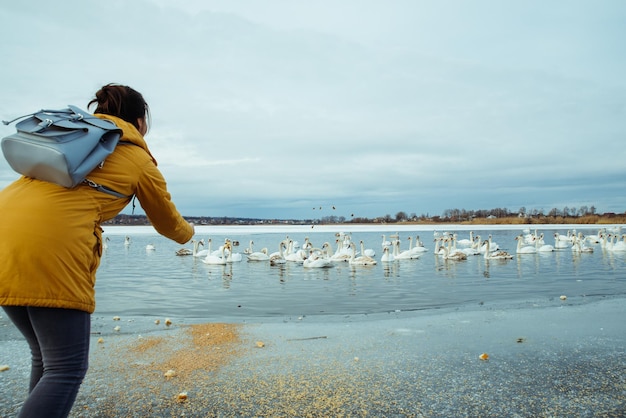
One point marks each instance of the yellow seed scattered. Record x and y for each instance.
(158, 321)
(484, 356)
(181, 397)
(260, 344)
(100, 340)
(563, 297)
(116, 318)
(169, 374)
(356, 359)
(168, 322)
(117, 328)
(4, 368)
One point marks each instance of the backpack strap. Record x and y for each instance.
(105, 189)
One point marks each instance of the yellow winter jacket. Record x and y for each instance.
(50, 236)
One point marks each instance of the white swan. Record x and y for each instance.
(187, 251)
(231, 256)
(105, 243)
(455, 256)
(619, 246)
(249, 249)
(493, 246)
(466, 242)
(561, 242)
(214, 259)
(524, 249)
(439, 243)
(386, 242)
(495, 255)
(595, 239)
(317, 259)
(451, 252)
(403, 255)
(340, 254)
(127, 241)
(258, 255)
(202, 253)
(296, 256)
(362, 260)
(386, 257)
(278, 257)
(541, 247)
(579, 247)
(418, 248)
(369, 252)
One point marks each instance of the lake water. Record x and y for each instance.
(133, 281)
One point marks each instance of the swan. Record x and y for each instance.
(595, 239)
(561, 242)
(341, 254)
(214, 259)
(232, 257)
(150, 247)
(439, 246)
(386, 257)
(105, 243)
(127, 241)
(418, 248)
(403, 255)
(474, 249)
(278, 257)
(529, 237)
(297, 256)
(317, 259)
(456, 256)
(367, 251)
(493, 246)
(619, 246)
(386, 242)
(495, 255)
(362, 260)
(466, 242)
(579, 247)
(258, 255)
(451, 252)
(524, 249)
(541, 247)
(418, 245)
(202, 253)
(187, 251)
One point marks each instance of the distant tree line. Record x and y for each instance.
(449, 215)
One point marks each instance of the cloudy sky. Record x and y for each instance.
(277, 108)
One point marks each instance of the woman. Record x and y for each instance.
(51, 247)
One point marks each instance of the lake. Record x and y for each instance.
(134, 281)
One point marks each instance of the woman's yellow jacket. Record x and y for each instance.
(50, 236)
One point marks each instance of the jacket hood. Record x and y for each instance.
(129, 133)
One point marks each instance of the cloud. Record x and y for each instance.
(415, 106)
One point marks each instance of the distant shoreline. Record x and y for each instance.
(333, 228)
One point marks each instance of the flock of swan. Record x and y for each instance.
(450, 247)
(446, 245)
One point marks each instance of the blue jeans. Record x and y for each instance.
(59, 347)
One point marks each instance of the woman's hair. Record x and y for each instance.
(123, 102)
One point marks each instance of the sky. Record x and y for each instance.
(301, 110)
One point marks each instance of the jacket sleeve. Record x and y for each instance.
(160, 210)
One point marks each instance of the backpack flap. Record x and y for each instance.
(61, 146)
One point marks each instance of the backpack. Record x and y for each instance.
(61, 146)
